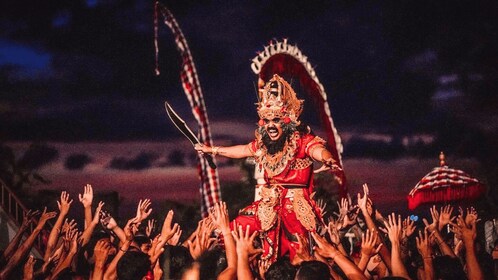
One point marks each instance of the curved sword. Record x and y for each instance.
(185, 130)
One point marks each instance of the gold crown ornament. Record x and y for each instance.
(277, 99)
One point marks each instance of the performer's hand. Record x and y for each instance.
(328, 164)
(203, 149)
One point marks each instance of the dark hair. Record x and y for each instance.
(446, 267)
(133, 265)
(310, 270)
(141, 238)
(180, 259)
(281, 269)
(212, 263)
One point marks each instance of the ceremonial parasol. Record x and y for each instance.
(444, 184)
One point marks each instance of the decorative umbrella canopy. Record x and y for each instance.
(444, 184)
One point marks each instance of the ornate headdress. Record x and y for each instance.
(277, 99)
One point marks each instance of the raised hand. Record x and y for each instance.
(323, 248)
(466, 232)
(143, 210)
(73, 235)
(150, 227)
(445, 216)
(322, 205)
(107, 220)
(263, 266)
(52, 261)
(101, 252)
(334, 232)
(130, 228)
(471, 216)
(423, 243)
(368, 241)
(362, 201)
(28, 268)
(219, 217)
(328, 164)
(302, 250)
(394, 228)
(45, 216)
(156, 249)
(87, 197)
(68, 226)
(343, 207)
(175, 239)
(245, 241)
(167, 230)
(97, 215)
(64, 204)
(435, 219)
(201, 241)
(408, 227)
(28, 218)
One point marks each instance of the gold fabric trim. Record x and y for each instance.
(303, 210)
(267, 215)
(301, 163)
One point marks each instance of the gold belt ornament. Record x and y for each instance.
(267, 215)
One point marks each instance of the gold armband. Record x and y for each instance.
(214, 150)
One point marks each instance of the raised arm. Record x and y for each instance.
(23, 250)
(325, 249)
(220, 219)
(425, 250)
(64, 204)
(433, 228)
(245, 250)
(394, 230)
(86, 199)
(87, 234)
(362, 203)
(14, 243)
(368, 248)
(129, 229)
(467, 232)
(238, 151)
(73, 250)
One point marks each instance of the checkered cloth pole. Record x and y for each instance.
(209, 189)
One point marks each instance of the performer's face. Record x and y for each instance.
(273, 128)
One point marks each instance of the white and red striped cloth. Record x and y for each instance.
(209, 189)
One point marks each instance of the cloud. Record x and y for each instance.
(77, 161)
(141, 161)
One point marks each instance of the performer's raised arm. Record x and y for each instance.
(320, 153)
(238, 151)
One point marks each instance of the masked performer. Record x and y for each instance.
(284, 151)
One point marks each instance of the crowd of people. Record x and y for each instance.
(358, 243)
(283, 234)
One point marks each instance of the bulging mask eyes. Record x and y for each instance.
(275, 120)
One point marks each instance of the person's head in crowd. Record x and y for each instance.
(133, 266)
(142, 241)
(281, 269)
(211, 263)
(310, 270)
(96, 237)
(180, 259)
(446, 267)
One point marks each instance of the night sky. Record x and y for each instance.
(84, 70)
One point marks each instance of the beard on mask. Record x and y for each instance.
(275, 146)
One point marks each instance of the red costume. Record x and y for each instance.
(285, 208)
